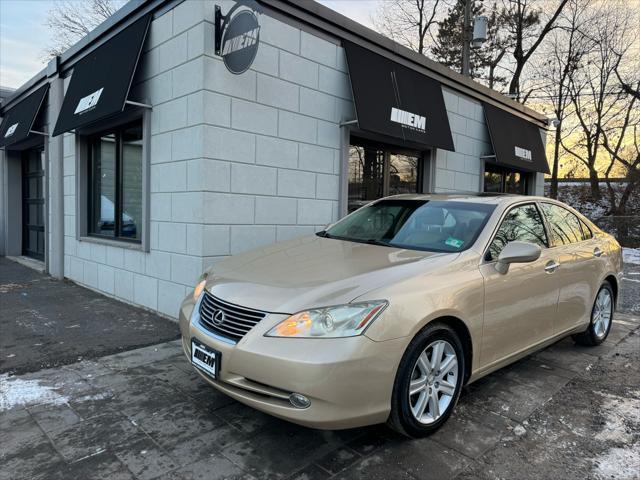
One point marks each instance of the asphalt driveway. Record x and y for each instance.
(46, 322)
(566, 412)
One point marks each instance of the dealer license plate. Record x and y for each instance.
(204, 358)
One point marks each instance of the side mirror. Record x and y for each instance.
(517, 252)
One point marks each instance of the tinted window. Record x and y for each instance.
(115, 192)
(522, 223)
(565, 226)
(439, 226)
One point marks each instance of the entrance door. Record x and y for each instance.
(33, 203)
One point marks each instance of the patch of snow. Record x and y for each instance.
(622, 418)
(631, 255)
(17, 393)
(619, 411)
(620, 463)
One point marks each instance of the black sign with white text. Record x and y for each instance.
(516, 142)
(397, 101)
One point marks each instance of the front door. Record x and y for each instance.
(33, 203)
(520, 306)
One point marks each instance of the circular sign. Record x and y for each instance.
(240, 42)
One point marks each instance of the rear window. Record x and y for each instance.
(439, 226)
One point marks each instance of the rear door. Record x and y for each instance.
(520, 306)
(577, 253)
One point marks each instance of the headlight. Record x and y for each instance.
(197, 291)
(330, 322)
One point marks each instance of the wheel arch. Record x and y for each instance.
(464, 334)
(613, 281)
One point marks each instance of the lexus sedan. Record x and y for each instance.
(386, 314)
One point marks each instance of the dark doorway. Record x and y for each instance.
(33, 203)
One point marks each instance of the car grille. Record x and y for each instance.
(226, 319)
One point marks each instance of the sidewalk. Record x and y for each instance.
(566, 412)
(46, 322)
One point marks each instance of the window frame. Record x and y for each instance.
(501, 220)
(84, 177)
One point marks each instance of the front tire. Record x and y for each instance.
(601, 318)
(428, 381)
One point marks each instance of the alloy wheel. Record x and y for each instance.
(602, 313)
(433, 382)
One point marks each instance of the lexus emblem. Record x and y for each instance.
(218, 317)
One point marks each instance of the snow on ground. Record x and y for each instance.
(15, 392)
(622, 419)
(631, 255)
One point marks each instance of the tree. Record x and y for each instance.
(70, 21)
(566, 49)
(523, 20)
(448, 43)
(408, 22)
(598, 102)
(623, 145)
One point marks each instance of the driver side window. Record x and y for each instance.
(522, 223)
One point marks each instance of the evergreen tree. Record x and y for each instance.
(448, 48)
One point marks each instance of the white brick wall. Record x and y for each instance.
(460, 170)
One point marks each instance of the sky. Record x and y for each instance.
(24, 36)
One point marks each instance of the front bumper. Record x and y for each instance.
(348, 380)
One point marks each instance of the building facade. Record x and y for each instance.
(181, 132)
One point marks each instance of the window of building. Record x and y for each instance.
(115, 189)
(378, 170)
(503, 180)
(565, 227)
(522, 223)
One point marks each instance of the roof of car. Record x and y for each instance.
(490, 198)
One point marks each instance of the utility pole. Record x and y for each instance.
(466, 39)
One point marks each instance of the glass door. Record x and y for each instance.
(33, 203)
(379, 170)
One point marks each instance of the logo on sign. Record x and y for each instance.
(240, 41)
(237, 36)
(523, 154)
(11, 130)
(218, 317)
(89, 102)
(408, 119)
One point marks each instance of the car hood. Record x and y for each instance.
(313, 271)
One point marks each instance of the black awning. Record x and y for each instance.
(18, 120)
(516, 142)
(396, 101)
(100, 81)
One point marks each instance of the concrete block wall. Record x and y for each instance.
(460, 170)
(236, 161)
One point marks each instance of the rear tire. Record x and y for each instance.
(601, 318)
(428, 381)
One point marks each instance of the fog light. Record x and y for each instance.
(299, 401)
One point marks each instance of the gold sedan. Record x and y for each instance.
(386, 314)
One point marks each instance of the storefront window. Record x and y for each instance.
(502, 180)
(377, 170)
(115, 190)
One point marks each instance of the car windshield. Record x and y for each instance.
(438, 226)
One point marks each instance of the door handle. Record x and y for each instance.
(551, 266)
(597, 252)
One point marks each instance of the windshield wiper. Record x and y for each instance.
(323, 234)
